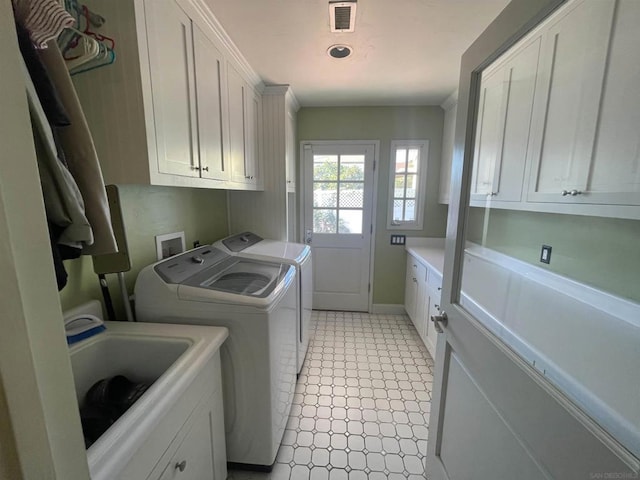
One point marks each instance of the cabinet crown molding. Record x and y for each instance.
(223, 37)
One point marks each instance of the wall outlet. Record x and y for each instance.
(398, 239)
(545, 254)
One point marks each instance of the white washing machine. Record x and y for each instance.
(250, 245)
(256, 301)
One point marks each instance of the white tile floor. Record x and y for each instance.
(362, 403)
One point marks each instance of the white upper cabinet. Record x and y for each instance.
(450, 107)
(290, 153)
(559, 116)
(173, 88)
(571, 84)
(244, 129)
(212, 107)
(614, 173)
(162, 114)
(506, 103)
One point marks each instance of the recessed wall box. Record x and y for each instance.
(169, 244)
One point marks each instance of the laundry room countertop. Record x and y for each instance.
(429, 251)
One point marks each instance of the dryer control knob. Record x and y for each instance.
(197, 259)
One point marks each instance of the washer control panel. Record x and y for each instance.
(180, 267)
(239, 242)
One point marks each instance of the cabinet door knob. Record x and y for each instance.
(181, 465)
(575, 192)
(193, 167)
(439, 288)
(205, 169)
(414, 279)
(493, 194)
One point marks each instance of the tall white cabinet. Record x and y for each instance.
(180, 106)
(559, 116)
(270, 212)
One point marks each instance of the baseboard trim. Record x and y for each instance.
(388, 308)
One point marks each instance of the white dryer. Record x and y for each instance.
(256, 301)
(250, 245)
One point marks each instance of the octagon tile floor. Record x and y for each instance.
(362, 403)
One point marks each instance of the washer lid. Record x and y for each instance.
(241, 276)
(293, 252)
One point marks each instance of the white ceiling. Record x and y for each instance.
(406, 52)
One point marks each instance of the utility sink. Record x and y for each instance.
(168, 357)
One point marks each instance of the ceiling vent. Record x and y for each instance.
(342, 16)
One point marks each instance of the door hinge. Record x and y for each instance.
(374, 165)
(371, 229)
(369, 289)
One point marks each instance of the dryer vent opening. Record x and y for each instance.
(342, 16)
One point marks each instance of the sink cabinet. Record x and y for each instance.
(167, 111)
(192, 432)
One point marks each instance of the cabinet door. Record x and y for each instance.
(194, 458)
(614, 177)
(489, 132)
(422, 306)
(574, 59)
(520, 74)
(237, 153)
(173, 87)
(290, 145)
(411, 288)
(253, 114)
(212, 114)
(433, 309)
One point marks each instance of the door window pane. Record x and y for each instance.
(412, 186)
(325, 167)
(351, 195)
(352, 168)
(325, 194)
(350, 221)
(412, 162)
(325, 221)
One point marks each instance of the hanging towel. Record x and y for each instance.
(80, 155)
(43, 19)
(63, 202)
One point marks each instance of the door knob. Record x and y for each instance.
(440, 321)
(308, 236)
(181, 466)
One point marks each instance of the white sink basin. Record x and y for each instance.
(168, 356)
(140, 358)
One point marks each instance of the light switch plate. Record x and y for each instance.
(398, 239)
(545, 254)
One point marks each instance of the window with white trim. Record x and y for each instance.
(407, 184)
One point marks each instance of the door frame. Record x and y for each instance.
(374, 193)
(516, 20)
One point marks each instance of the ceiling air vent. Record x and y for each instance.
(342, 16)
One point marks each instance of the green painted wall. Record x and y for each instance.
(601, 252)
(147, 212)
(386, 124)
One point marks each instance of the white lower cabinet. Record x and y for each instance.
(189, 442)
(194, 458)
(422, 299)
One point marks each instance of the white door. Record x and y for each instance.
(338, 206)
(534, 362)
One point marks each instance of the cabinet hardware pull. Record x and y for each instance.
(439, 288)
(493, 194)
(193, 167)
(574, 192)
(289, 181)
(248, 177)
(181, 466)
(205, 169)
(414, 279)
(437, 306)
